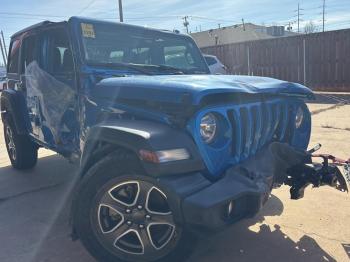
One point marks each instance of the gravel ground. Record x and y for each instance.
(34, 212)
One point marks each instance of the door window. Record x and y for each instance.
(29, 52)
(14, 56)
(210, 60)
(57, 53)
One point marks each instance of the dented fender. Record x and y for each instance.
(144, 135)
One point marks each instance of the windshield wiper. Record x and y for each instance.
(167, 68)
(139, 68)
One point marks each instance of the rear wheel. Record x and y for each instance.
(122, 215)
(23, 153)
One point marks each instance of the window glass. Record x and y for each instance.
(58, 52)
(29, 52)
(108, 43)
(14, 56)
(210, 60)
(116, 56)
(140, 55)
(178, 56)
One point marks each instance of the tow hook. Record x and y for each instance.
(318, 174)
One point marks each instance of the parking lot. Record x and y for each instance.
(34, 208)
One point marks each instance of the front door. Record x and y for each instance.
(49, 79)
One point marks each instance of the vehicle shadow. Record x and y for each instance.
(34, 219)
(239, 243)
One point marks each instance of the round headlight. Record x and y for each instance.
(299, 117)
(208, 127)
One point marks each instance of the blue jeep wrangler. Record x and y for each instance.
(165, 149)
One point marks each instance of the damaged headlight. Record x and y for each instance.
(208, 127)
(299, 117)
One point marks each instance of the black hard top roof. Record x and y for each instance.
(84, 19)
(32, 27)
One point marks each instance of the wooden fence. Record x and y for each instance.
(320, 61)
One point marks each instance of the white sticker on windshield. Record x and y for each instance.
(88, 30)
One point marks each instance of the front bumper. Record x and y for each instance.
(205, 204)
(210, 207)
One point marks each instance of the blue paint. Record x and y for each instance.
(227, 150)
(243, 129)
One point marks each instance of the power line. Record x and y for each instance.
(86, 7)
(299, 15)
(31, 15)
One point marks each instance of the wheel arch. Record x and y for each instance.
(12, 104)
(133, 136)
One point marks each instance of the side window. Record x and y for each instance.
(210, 60)
(177, 56)
(14, 57)
(57, 54)
(29, 52)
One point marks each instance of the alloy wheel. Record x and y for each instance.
(134, 217)
(10, 142)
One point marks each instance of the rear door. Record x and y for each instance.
(13, 63)
(29, 57)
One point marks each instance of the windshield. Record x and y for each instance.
(154, 50)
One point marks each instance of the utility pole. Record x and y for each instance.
(121, 11)
(299, 16)
(243, 24)
(3, 53)
(3, 40)
(323, 15)
(186, 23)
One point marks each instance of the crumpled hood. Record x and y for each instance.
(173, 88)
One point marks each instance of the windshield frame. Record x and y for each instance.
(82, 49)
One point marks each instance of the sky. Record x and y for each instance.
(168, 14)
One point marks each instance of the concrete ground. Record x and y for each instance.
(34, 212)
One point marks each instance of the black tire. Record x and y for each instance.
(122, 169)
(23, 153)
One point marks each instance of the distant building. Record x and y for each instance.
(239, 33)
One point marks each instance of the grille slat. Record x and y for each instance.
(258, 128)
(255, 125)
(246, 120)
(284, 122)
(267, 124)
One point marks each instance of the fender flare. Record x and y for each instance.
(13, 103)
(135, 135)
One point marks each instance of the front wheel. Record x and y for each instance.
(23, 153)
(122, 215)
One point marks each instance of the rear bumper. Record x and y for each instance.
(205, 204)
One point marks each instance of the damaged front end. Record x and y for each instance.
(244, 188)
(297, 169)
(318, 174)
